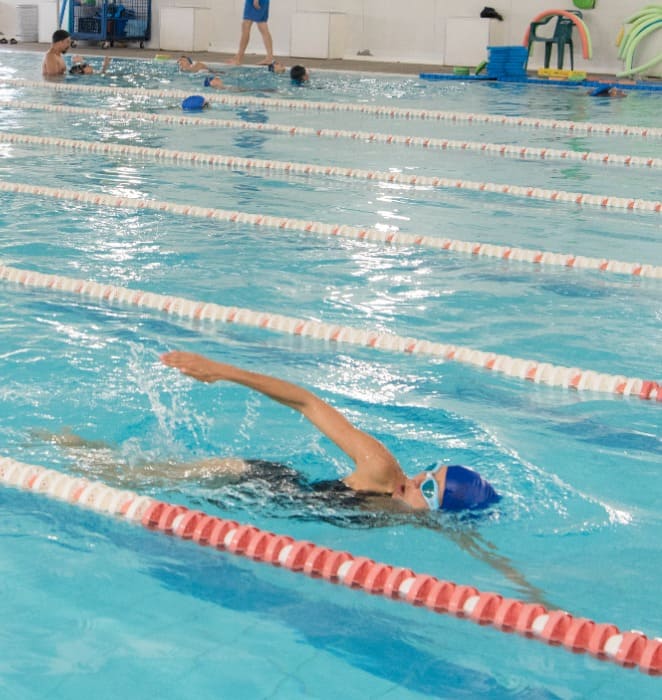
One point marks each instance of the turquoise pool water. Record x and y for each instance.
(94, 606)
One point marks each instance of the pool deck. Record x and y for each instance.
(133, 51)
(360, 64)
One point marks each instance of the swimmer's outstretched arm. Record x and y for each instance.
(376, 468)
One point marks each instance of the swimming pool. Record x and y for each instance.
(95, 605)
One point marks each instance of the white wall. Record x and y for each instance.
(411, 31)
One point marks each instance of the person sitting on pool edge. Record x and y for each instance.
(440, 487)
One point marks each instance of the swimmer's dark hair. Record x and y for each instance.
(297, 73)
(60, 35)
(78, 68)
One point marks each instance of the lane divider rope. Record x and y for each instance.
(376, 110)
(514, 151)
(536, 257)
(604, 641)
(518, 368)
(308, 169)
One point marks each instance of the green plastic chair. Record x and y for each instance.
(561, 37)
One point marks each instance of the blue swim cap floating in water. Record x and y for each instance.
(194, 103)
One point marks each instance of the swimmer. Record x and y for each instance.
(187, 65)
(377, 471)
(54, 64)
(299, 74)
(215, 83)
(376, 492)
(195, 103)
(277, 67)
(81, 67)
(607, 91)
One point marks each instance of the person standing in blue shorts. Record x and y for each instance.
(255, 11)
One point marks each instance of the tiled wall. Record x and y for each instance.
(415, 30)
(407, 31)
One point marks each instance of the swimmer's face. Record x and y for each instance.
(88, 70)
(183, 62)
(64, 45)
(409, 491)
(279, 67)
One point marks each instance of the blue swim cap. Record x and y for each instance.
(601, 90)
(208, 80)
(466, 488)
(194, 103)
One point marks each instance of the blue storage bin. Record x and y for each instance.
(507, 61)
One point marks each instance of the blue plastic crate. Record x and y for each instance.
(508, 53)
(507, 61)
(514, 67)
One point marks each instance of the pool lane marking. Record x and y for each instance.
(537, 257)
(409, 180)
(515, 151)
(234, 100)
(604, 641)
(518, 368)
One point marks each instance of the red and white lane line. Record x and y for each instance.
(308, 169)
(514, 151)
(227, 98)
(604, 641)
(537, 257)
(518, 368)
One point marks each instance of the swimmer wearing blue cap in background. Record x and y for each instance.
(607, 90)
(187, 65)
(213, 81)
(440, 487)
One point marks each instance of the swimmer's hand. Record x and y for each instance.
(197, 366)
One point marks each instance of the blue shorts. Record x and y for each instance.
(255, 15)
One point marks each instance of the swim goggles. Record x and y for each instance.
(430, 487)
